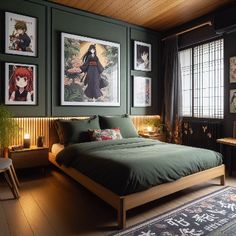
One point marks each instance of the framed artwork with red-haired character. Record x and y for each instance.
(20, 84)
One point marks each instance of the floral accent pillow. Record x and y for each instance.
(105, 134)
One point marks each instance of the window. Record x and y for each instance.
(202, 74)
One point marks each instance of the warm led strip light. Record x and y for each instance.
(40, 127)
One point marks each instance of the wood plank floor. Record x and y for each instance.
(54, 204)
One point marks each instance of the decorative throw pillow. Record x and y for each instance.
(125, 124)
(59, 131)
(76, 131)
(105, 134)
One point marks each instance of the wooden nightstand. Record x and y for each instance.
(159, 137)
(29, 157)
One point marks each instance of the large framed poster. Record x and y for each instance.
(90, 71)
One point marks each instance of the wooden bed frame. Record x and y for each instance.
(124, 203)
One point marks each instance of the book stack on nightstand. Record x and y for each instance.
(155, 136)
(29, 157)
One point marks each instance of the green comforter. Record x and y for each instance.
(130, 165)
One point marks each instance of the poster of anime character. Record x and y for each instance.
(142, 56)
(142, 91)
(232, 101)
(232, 73)
(20, 34)
(90, 71)
(20, 84)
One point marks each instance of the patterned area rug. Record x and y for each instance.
(213, 214)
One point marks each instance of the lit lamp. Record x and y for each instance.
(149, 129)
(26, 141)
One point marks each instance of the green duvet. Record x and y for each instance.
(130, 165)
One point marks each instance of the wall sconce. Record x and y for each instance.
(26, 143)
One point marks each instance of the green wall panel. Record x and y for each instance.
(154, 40)
(90, 27)
(54, 19)
(38, 11)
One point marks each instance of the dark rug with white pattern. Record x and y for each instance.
(213, 214)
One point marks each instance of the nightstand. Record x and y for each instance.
(29, 157)
(159, 137)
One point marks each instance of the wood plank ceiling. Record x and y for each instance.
(159, 15)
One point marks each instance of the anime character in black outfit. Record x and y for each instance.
(142, 57)
(93, 69)
(19, 38)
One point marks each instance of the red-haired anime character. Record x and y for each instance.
(21, 84)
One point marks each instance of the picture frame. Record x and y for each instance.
(20, 84)
(90, 71)
(232, 101)
(20, 34)
(232, 69)
(142, 56)
(142, 91)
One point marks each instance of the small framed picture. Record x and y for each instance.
(232, 101)
(20, 84)
(142, 56)
(142, 91)
(20, 34)
(232, 70)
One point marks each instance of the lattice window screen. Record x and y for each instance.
(203, 80)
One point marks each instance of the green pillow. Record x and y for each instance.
(125, 124)
(76, 131)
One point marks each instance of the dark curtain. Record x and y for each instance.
(172, 89)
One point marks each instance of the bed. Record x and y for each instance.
(132, 171)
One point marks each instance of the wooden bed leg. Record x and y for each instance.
(121, 214)
(222, 180)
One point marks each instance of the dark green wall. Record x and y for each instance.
(229, 51)
(38, 11)
(54, 19)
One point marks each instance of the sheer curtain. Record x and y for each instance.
(172, 89)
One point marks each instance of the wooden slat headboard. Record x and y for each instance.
(44, 127)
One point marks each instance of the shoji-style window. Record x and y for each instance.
(202, 74)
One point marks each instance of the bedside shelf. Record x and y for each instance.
(29, 157)
(159, 137)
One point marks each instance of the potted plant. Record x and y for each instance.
(8, 129)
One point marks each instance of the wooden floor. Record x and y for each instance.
(53, 204)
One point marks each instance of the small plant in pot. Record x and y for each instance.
(8, 129)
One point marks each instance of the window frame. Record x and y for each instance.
(192, 46)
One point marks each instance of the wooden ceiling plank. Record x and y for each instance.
(99, 6)
(118, 7)
(164, 21)
(133, 6)
(155, 11)
(154, 14)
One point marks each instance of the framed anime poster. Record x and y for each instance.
(232, 101)
(142, 91)
(20, 84)
(20, 34)
(90, 71)
(142, 56)
(232, 70)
